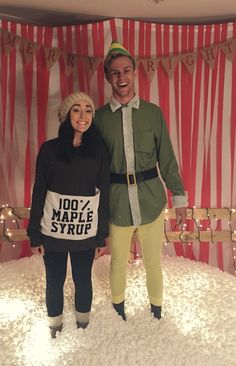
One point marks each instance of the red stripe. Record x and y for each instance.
(147, 54)
(188, 182)
(125, 33)
(101, 77)
(141, 72)
(5, 71)
(12, 93)
(233, 119)
(166, 86)
(98, 45)
(148, 51)
(161, 80)
(81, 70)
(160, 70)
(206, 182)
(219, 138)
(176, 84)
(206, 175)
(179, 247)
(85, 39)
(214, 74)
(85, 52)
(95, 38)
(63, 81)
(204, 255)
(4, 76)
(113, 29)
(186, 110)
(43, 76)
(69, 49)
(28, 33)
(131, 36)
(196, 115)
(166, 82)
(186, 116)
(12, 83)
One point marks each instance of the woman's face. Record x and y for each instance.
(81, 116)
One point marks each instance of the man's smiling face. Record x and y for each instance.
(121, 77)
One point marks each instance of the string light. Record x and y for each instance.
(9, 214)
(165, 231)
(232, 211)
(203, 233)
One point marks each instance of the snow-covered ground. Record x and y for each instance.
(198, 327)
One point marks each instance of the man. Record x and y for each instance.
(137, 138)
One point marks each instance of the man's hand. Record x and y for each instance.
(181, 214)
(38, 250)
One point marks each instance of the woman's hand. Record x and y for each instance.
(99, 252)
(38, 250)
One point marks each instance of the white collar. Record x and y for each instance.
(115, 105)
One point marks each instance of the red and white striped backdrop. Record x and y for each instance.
(200, 109)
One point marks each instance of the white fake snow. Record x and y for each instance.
(198, 327)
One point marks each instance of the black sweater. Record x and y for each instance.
(73, 184)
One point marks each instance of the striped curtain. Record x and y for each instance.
(200, 109)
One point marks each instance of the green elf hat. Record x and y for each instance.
(116, 48)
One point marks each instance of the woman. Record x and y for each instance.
(69, 212)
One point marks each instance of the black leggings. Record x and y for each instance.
(56, 269)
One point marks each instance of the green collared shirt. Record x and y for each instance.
(152, 146)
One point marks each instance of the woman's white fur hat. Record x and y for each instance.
(71, 100)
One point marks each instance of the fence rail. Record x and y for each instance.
(10, 216)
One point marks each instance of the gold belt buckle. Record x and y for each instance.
(132, 181)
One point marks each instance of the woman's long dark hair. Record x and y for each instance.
(89, 145)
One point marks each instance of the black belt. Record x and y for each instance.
(134, 178)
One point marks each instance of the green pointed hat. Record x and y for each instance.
(117, 47)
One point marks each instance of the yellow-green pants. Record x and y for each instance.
(151, 239)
